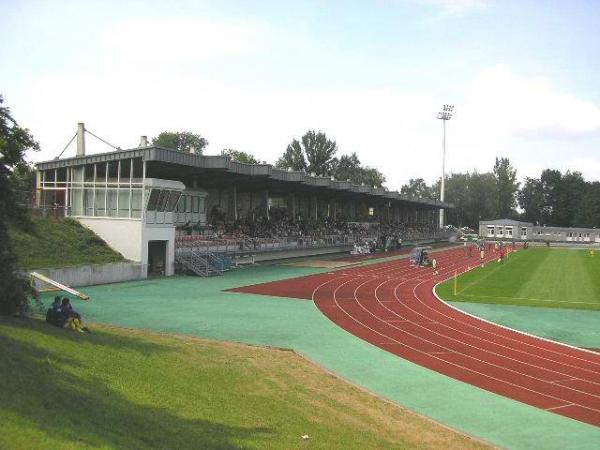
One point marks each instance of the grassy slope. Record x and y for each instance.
(59, 243)
(120, 388)
(558, 278)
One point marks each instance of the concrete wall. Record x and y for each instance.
(95, 274)
(285, 254)
(122, 235)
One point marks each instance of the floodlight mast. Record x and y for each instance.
(444, 115)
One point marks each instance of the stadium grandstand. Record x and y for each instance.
(171, 211)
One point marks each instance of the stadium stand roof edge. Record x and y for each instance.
(225, 163)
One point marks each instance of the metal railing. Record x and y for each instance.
(260, 245)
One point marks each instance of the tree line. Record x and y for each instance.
(552, 199)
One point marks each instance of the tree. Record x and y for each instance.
(293, 158)
(239, 156)
(571, 193)
(348, 167)
(588, 214)
(418, 188)
(550, 181)
(14, 142)
(507, 187)
(182, 141)
(313, 154)
(531, 200)
(371, 177)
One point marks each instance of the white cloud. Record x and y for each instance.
(524, 118)
(529, 106)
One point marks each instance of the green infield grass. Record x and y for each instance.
(128, 389)
(556, 278)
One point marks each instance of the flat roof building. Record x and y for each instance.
(517, 230)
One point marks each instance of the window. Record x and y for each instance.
(173, 200)
(371, 211)
(162, 200)
(490, 230)
(524, 231)
(153, 200)
(509, 231)
(500, 231)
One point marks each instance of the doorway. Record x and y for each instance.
(157, 258)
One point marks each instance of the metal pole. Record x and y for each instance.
(443, 183)
(445, 114)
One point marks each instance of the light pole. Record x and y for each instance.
(444, 115)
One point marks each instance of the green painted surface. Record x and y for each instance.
(198, 307)
(571, 326)
(558, 278)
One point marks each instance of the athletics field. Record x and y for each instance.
(557, 278)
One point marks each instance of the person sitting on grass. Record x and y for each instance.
(72, 318)
(54, 313)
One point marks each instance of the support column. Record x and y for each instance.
(118, 185)
(294, 215)
(235, 206)
(143, 212)
(67, 191)
(94, 193)
(267, 203)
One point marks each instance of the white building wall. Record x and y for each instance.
(122, 235)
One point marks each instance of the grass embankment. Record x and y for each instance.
(557, 278)
(59, 243)
(119, 388)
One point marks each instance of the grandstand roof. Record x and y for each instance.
(175, 165)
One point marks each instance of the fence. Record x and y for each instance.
(259, 245)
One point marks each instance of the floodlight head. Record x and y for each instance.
(446, 112)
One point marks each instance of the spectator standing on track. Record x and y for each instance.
(434, 266)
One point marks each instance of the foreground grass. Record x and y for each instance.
(558, 278)
(59, 243)
(119, 388)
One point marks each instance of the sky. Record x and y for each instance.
(371, 74)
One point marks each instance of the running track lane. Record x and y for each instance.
(392, 306)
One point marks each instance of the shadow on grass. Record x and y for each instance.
(37, 386)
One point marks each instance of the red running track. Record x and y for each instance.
(392, 306)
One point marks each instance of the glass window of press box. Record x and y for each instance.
(106, 189)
